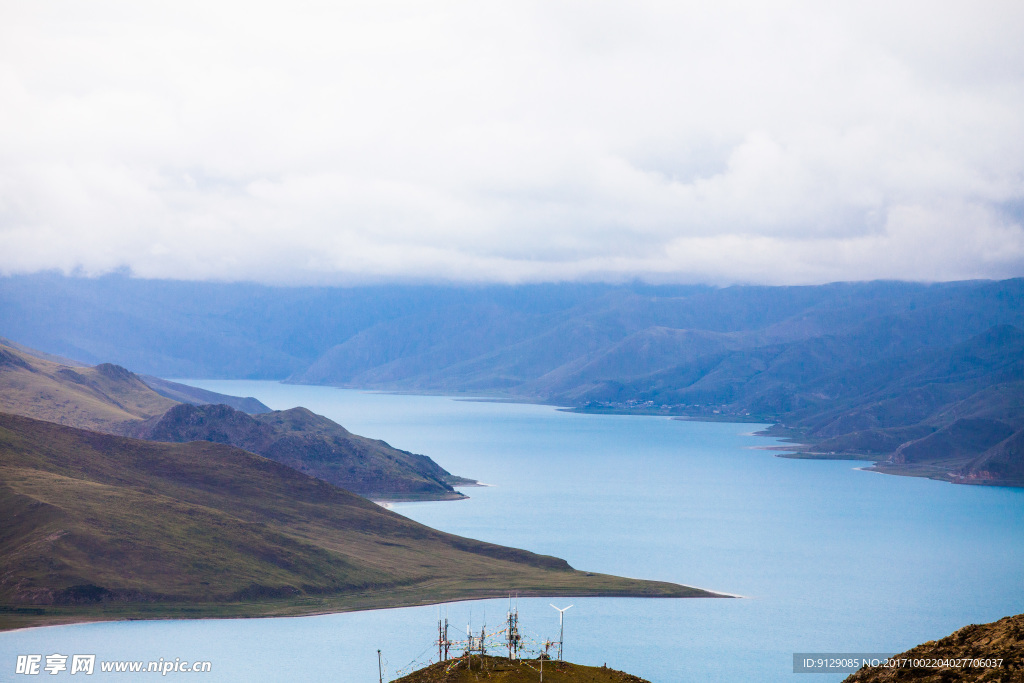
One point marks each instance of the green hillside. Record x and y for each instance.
(102, 526)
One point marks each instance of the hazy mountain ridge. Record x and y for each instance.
(196, 396)
(852, 368)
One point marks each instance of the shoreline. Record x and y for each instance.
(797, 451)
(10, 621)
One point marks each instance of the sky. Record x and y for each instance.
(348, 142)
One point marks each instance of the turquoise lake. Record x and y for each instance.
(828, 558)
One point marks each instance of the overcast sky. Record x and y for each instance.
(337, 142)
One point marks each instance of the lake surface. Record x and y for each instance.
(829, 558)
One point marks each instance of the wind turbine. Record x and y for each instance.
(561, 627)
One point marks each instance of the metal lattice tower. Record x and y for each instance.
(512, 635)
(442, 640)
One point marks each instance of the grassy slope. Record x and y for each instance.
(172, 390)
(102, 397)
(100, 526)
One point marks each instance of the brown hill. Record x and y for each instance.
(311, 444)
(102, 526)
(504, 670)
(104, 397)
(986, 652)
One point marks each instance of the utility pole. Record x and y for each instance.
(380, 668)
(561, 628)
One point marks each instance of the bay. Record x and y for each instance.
(829, 558)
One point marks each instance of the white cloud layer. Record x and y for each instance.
(782, 142)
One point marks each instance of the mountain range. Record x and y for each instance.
(924, 379)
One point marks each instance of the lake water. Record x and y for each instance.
(829, 558)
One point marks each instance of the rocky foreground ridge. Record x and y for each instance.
(980, 645)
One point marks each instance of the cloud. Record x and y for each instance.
(341, 142)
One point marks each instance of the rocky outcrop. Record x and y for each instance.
(986, 652)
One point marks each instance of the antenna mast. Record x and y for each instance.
(512, 632)
(442, 638)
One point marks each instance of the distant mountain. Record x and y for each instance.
(311, 444)
(236, 330)
(97, 524)
(850, 369)
(202, 397)
(925, 411)
(531, 340)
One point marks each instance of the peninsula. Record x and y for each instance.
(103, 527)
